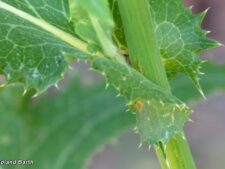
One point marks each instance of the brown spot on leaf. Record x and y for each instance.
(138, 105)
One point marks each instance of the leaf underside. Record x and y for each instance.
(159, 114)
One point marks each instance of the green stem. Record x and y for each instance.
(145, 56)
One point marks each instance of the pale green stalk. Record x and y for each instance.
(145, 57)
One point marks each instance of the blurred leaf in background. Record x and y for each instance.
(59, 130)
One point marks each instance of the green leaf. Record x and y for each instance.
(159, 114)
(34, 38)
(94, 24)
(80, 11)
(98, 9)
(179, 36)
(59, 130)
(83, 26)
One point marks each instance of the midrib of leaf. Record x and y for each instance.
(66, 37)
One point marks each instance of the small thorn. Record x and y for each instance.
(135, 130)
(190, 120)
(117, 88)
(124, 78)
(184, 106)
(35, 96)
(191, 7)
(202, 93)
(140, 145)
(2, 85)
(56, 86)
(118, 95)
(90, 69)
(167, 163)
(206, 10)
(161, 102)
(129, 104)
(202, 15)
(208, 32)
(107, 86)
(220, 44)
(177, 106)
(24, 92)
(204, 61)
(103, 74)
(70, 67)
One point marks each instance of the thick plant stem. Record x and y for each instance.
(145, 56)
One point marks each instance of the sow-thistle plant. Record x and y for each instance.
(137, 45)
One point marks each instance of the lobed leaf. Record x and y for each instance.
(159, 114)
(34, 38)
(179, 36)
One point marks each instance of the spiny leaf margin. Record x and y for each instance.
(179, 35)
(34, 42)
(159, 114)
